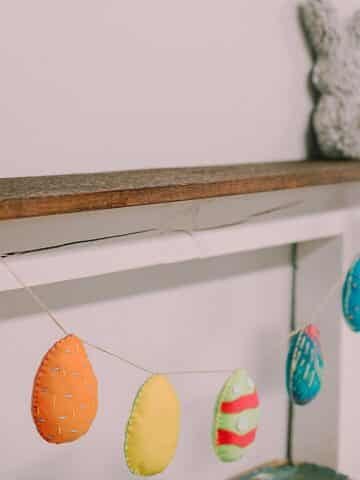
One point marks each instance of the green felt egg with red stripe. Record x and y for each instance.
(236, 417)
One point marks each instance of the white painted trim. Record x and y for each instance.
(316, 430)
(322, 223)
(146, 250)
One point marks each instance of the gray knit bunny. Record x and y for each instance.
(336, 76)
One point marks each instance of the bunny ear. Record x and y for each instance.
(354, 26)
(321, 24)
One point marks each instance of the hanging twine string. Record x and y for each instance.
(59, 325)
(322, 305)
(34, 297)
(115, 355)
(137, 366)
(198, 372)
(123, 359)
(329, 295)
(333, 289)
(195, 214)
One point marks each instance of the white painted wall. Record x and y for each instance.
(89, 85)
(108, 85)
(201, 314)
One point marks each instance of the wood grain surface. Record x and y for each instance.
(57, 194)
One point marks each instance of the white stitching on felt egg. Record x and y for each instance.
(251, 384)
(242, 424)
(236, 389)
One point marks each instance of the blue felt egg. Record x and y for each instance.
(304, 366)
(351, 296)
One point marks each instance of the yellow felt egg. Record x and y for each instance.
(153, 427)
(65, 397)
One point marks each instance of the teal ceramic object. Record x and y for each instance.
(304, 366)
(351, 297)
(303, 471)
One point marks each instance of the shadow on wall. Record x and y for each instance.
(60, 295)
(312, 147)
(208, 314)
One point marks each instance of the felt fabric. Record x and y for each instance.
(304, 365)
(351, 297)
(240, 404)
(64, 398)
(335, 77)
(226, 437)
(236, 417)
(305, 471)
(153, 428)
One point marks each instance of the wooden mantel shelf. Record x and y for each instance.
(48, 195)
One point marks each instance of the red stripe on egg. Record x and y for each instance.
(240, 404)
(225, 437)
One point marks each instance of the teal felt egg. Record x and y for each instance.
(351, 297)
(304, 366)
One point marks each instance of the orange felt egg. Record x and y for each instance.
(65, 398)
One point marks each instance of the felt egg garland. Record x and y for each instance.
(153, 428)
(304, 366)
(351, 296)
(236, 417)
(64, 398)
(65, 394)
